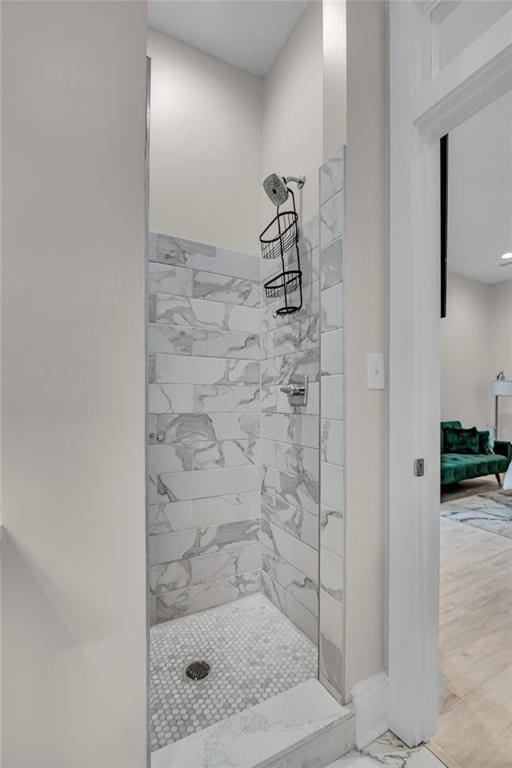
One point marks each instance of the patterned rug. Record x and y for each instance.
(489, 511)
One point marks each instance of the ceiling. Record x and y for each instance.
(246, 33)
(480, 194)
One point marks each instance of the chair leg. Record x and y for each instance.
(498, 478)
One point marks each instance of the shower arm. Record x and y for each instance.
(298, 180)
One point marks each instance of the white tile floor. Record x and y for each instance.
(254, 653)
(391, 752)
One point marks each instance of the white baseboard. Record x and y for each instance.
(370, 699)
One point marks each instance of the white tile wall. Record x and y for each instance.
(331, 637)
(203, 428)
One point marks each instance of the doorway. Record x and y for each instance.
(476, 450)
(432, 92)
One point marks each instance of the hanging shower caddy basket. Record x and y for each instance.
(280, 237)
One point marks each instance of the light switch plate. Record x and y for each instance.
(375, 370)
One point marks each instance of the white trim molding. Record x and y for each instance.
(422, 109)
(370, 699)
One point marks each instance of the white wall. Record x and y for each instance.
(466, 369)
(501, 347)
(217, 131)
(334, 76)
(205, 159)
(292, 111)
(475, 346)
(73, 558)
(366, 278)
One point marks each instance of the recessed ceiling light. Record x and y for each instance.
(507, 256)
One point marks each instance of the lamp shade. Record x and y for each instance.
(501, 387)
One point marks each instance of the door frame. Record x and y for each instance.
(425, 103)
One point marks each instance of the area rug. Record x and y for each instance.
(489, 511)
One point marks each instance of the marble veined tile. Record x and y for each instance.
(332, 574)
(200, 313)
(226, 453)
(332, 391)
(187, 253)
(331, 352)
(291, 490)
(310, 307)
(332, 484)
(194, 542)
(331, 264)
(332, 618)
(189, 572)
(310, 234)
(231, 290)
(280, 370)
(295, 611)
(297, 460)
(309, 264)
(388, 750)
(180, 457)
(295, 337)
(151, 428)
(332, 530)
(331, 220)
(268, 398)
(181, 486)
(269, 452)
(278, 732)
(198, 513)
(181, 369)
(169, 458)
(330, 664)
(332, 307)
(211, 399)
(332, 175)
(207, 342)
(255, 653)
(193, 428)
(190, 398)
(331, 441)
(170, 398)
(182, 602)
(293, 520)
(303, 557)
(299, 586)
(297, 429)
(331, 641)
(172, 280)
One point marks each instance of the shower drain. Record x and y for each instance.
(198, 670)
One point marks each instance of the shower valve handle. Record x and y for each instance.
(295, 390)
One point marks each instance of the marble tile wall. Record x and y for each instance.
(204, 432)
(290, 445)
(331, 629)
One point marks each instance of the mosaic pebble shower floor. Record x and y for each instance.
(254, 653)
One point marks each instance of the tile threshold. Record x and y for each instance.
(303, 727)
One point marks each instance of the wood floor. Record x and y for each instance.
(470, 488)
(475, 722)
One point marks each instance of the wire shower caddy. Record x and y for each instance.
(279, 238)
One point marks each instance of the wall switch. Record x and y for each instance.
(375, 370)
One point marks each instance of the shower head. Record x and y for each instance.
(276, 189)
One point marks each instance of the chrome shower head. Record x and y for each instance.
(276, 189)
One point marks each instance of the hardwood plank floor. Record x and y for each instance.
(475, 634)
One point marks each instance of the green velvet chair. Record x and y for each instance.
(466, 466)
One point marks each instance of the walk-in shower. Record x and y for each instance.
(233, 485)
(233, 441)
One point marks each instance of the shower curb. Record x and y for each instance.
(303, 727)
